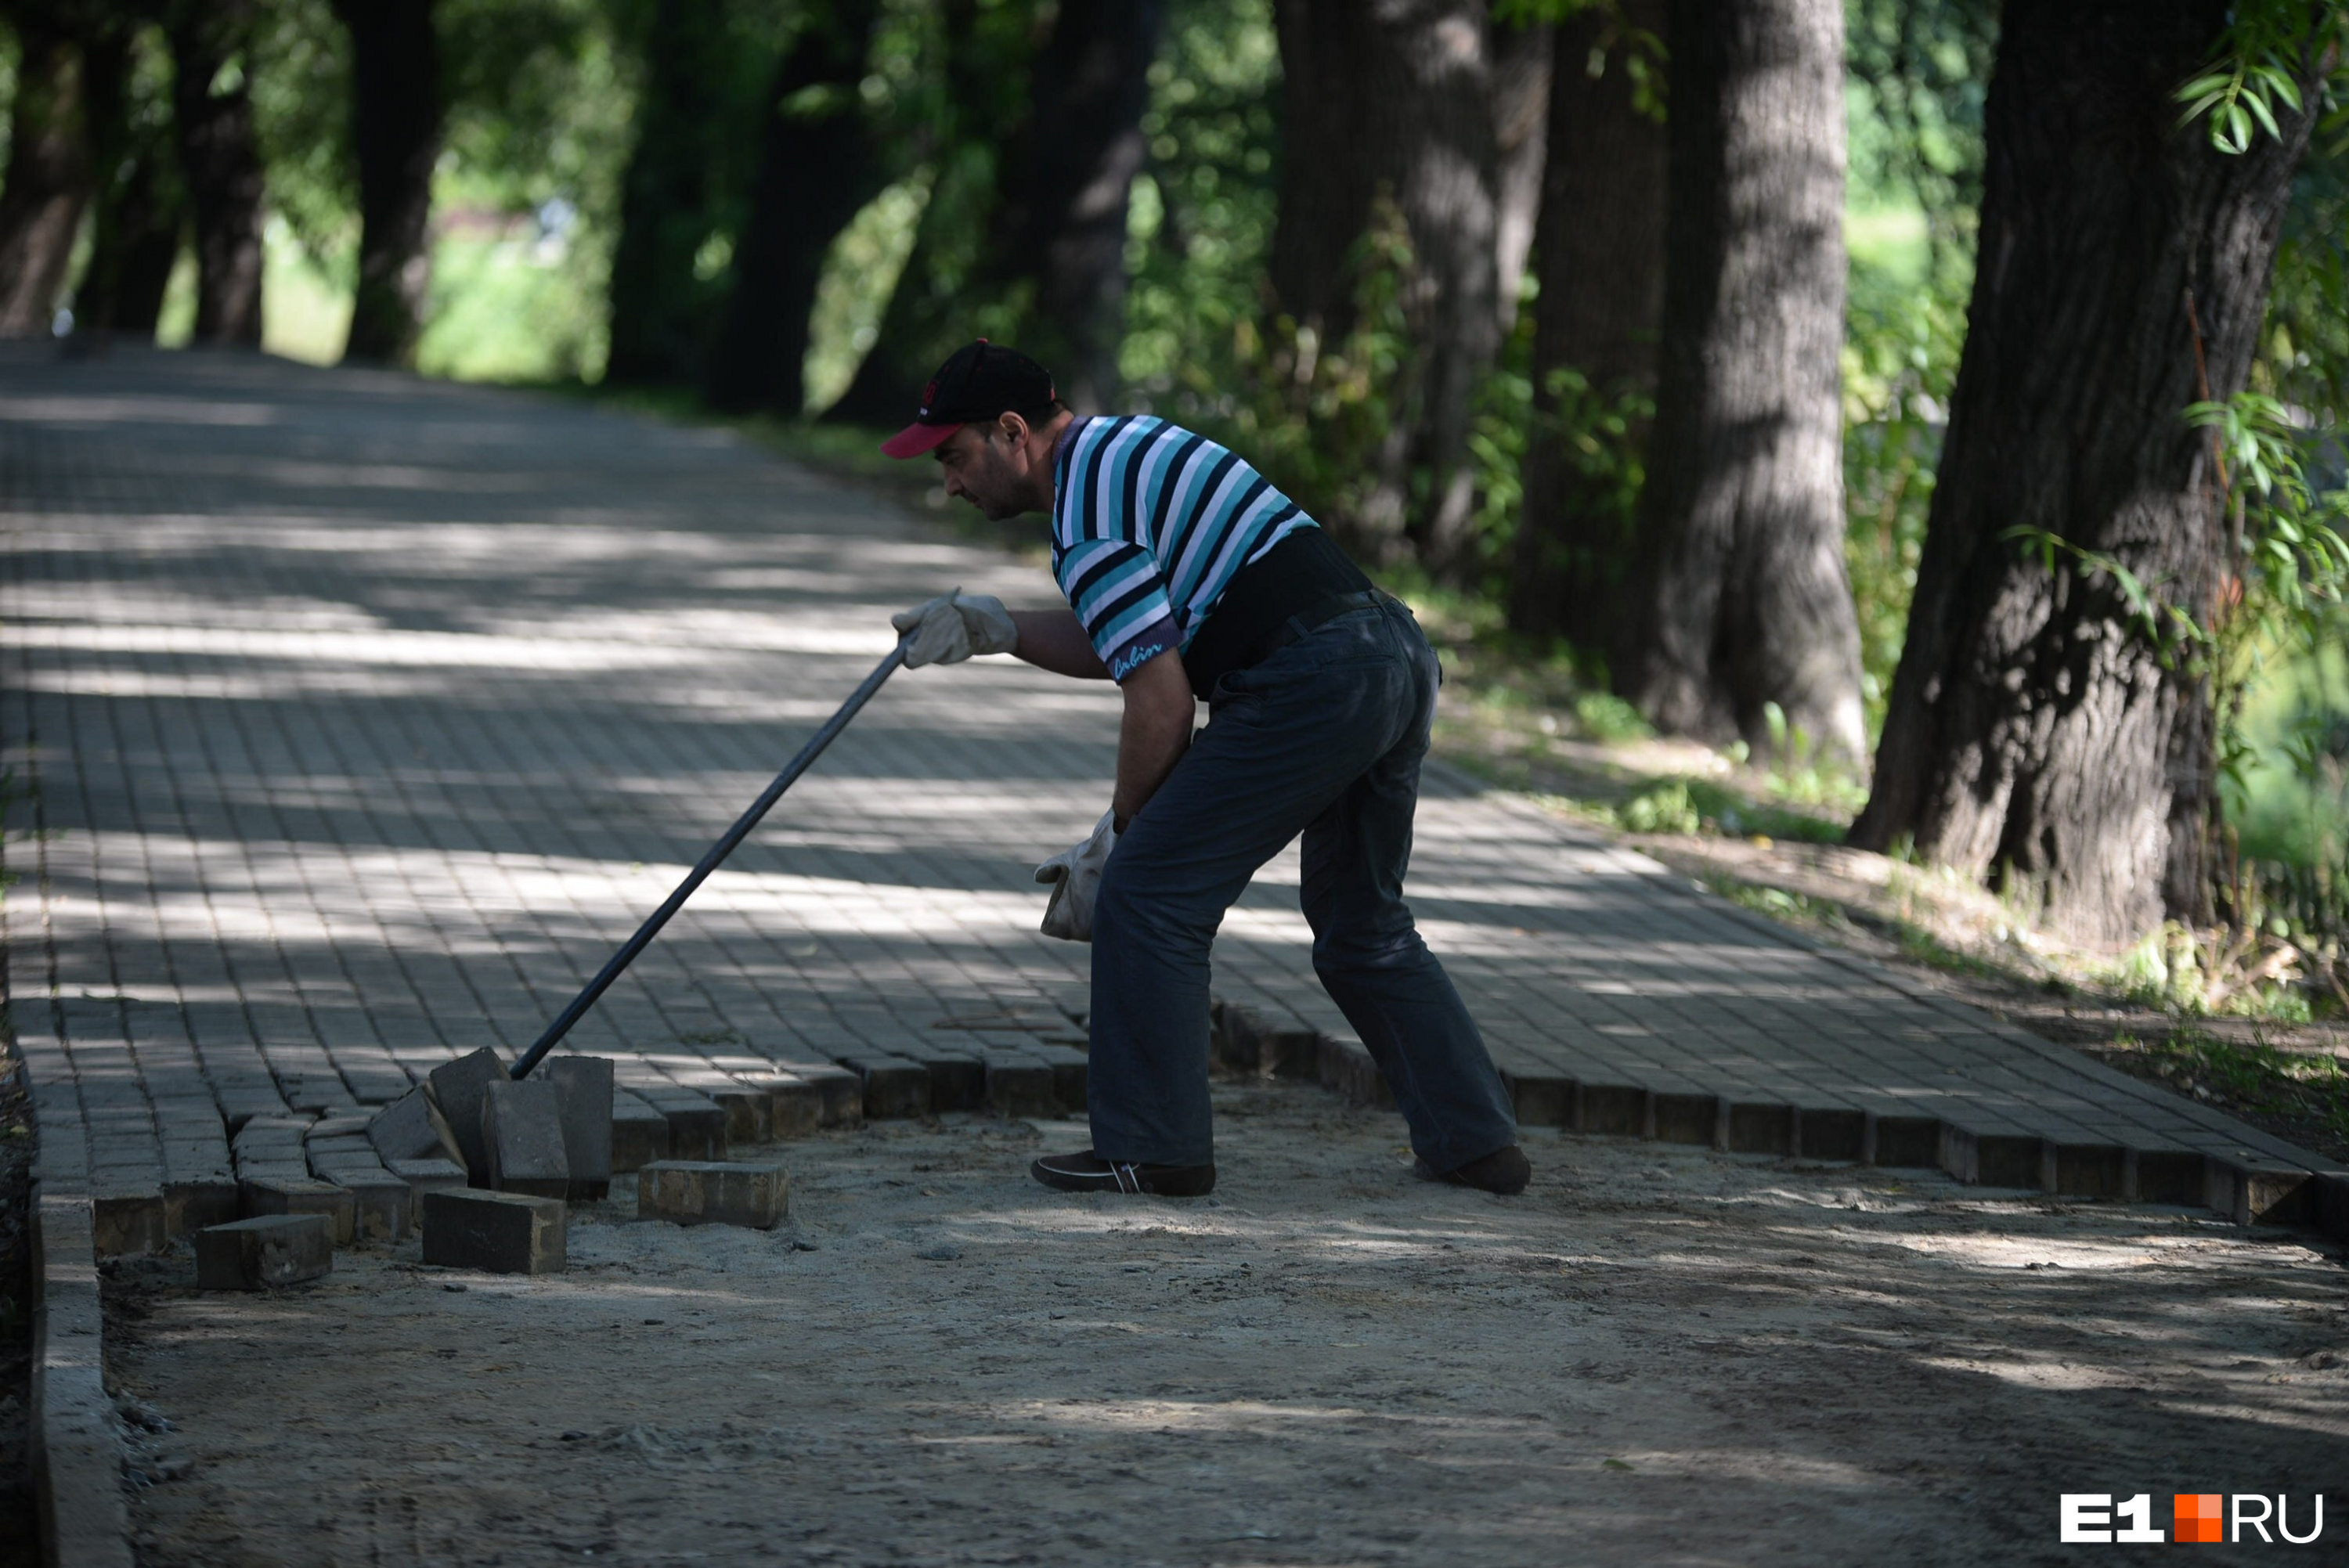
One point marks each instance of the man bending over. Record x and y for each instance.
(1188, 575)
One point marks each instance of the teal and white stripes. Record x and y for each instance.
(1151, 525)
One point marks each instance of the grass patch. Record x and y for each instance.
(2308, 1089)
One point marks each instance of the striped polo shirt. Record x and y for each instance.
(1150, 525)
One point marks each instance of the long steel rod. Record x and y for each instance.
(709, 862)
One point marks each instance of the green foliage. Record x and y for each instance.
(299, 77)
(2307, 1086)
(1603, 716)
(1317, 416)
(2269, 49)
(1203, 209)
(1919, 73)
(526, 199)
(1919, 70)
(1660, 809)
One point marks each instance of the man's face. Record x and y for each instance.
(981, 464)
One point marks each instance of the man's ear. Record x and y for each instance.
(1012, 426)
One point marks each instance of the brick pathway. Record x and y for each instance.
(361, 716)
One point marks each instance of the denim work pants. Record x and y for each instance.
(1324, 736)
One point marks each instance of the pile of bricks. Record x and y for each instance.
(482, 1166)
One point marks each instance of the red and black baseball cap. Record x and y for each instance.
(976, 383)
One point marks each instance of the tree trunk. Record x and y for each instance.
(1065, 192)
(1024, 236)
(2036, 728)
(135, 239)
(662, 313)
(396, 133)
(212, 110)
(819, 163)
(1738, 597)
(1521, 87)
(1600, 248)
(1396, 96)
(48, 179)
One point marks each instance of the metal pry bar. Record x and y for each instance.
(709, 862)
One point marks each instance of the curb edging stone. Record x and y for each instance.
(75, 1447)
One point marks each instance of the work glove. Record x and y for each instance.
(1075, 878)
(953, 626)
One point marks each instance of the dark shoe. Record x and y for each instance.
(1504, 1173)
(1089, 1173)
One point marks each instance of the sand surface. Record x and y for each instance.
(1657, 1355)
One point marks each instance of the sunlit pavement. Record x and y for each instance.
(362, 716)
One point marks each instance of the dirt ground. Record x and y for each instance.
(1658, 1356)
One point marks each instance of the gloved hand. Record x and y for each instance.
(953, 626)
(1076, 877)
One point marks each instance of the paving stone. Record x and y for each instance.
(893, 1088)
(1021, 1088)
(428, 1175)
(294, 1169)
(639, 1133)
(522, 1138)
(797, 1105)
(841, 1093)
(1541, 1099)
(583, 1093)
(1069, 1068)
(191, 1206)
(127, 1220)
(499, 1233)
(1908, 1141)
(305, 1196)
(413, 1128)
(697, 1124)
(958, 1079)
(2256, 1191)
(749, 1112)
(1751, 1128)
(1830, 1132)
(711, 1192)
(1347, 1068)
(457, 1089)
(383, 1206)
(265, 1253)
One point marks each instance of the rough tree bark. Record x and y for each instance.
(662, 314)
(1738, 597)
(1521, 78)
(49, 177)
(395, 105)
(819, 163)
(212, 113)
(1065, 192)
(1396, 96)
(135, 235)
(2035, 730)
(1600, 250)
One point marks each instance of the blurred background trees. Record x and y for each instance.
(1644, 340)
